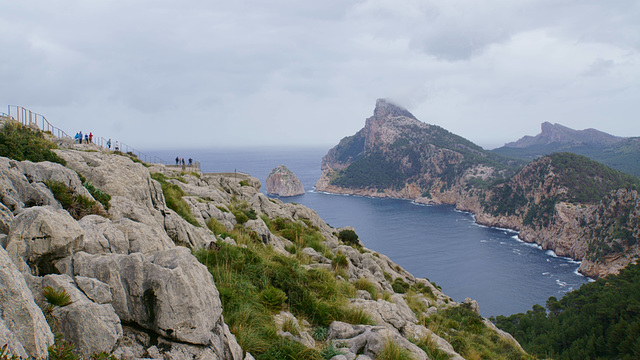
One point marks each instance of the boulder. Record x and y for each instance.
(91, 327)
(282, 182)
(369, 340)
(19, 192)
(143, 237)
(168, 292)
(40, 237)
(22, 324)
(394, 314)
(102, 236)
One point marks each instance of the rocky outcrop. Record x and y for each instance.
(551, 201)
(23, 326)
(282, 182)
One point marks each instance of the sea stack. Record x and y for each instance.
(282, 182)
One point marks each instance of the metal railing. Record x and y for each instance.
(27, 117)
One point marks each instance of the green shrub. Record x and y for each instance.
(98, 194)
(61, 350)
(393, 351)
(329, 351)
(340, 261)
(273, 298)
(215, 226)
(78, 206)
(368, 286)
(400, 286)
(22, 143)
(320, 333)
(349, 237)
(244, 183)
(430, 347)
(56, 296)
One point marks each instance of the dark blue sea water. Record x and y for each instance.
(504, 274)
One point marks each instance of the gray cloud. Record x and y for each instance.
(203, 73)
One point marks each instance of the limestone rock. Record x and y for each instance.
(369, 340)
(22, 323)
(40, 236)
(298, 333)
(91, 327)
(394, 314)
(102, 236)
(168, 291)
(282, 182)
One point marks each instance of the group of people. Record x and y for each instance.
(117, 146)
(88, 138)
(179, 160)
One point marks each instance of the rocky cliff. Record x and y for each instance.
(550, 201)
(283, 182)
(119, 276)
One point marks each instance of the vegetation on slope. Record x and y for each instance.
(173, 197)
(78, 206)
(558, 177)
(22, 143)
(256, 283)
(600, 320)
(469, 336)
(409, 158)
(623, 156)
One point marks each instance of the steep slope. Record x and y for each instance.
(265, 275)
(550, 201)
(619, 153)
(397, 155)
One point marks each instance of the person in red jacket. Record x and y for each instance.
(90, 137)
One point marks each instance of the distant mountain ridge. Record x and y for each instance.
(556, 133)
(620, 153)
(558, 201)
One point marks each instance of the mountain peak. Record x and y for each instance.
(385, 109)
(556, 133)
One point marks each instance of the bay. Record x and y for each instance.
(489, 265)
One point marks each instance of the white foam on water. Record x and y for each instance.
(561, 283)
(551, 253)
(546, 273)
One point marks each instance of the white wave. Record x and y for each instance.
(484, 241)
(551, 253)
(561, 283)
(420, 204)
(502, 243)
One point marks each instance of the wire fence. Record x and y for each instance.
(27, 118)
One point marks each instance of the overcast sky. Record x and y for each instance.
(203, 73)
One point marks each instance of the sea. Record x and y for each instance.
(490, 265)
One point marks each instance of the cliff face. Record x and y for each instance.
(282, 182)
(551, 201)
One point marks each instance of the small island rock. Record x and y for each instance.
(282, 182)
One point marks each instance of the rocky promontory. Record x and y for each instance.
(556, 201)
(283, 182)
(135, 260)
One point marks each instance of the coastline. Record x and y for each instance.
(515, 232)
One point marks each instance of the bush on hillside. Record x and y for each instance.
(22, 143)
